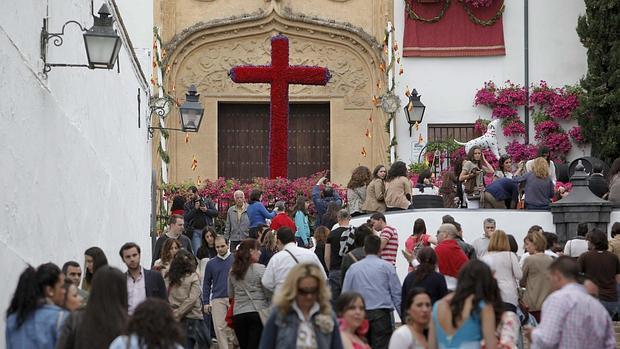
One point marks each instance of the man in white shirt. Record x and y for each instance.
(579, 245)
(481, 245)
(282, 262)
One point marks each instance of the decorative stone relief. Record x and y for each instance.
(208, 66)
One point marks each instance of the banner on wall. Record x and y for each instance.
(452, 28)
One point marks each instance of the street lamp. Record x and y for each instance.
(414, 110)
(191, 112)
(101, 42)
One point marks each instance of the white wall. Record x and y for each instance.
(76, 169)
(448, 84)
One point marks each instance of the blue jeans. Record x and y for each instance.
(611, 307)
(196, 240)
(334, 284)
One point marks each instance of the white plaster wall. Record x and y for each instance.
(448, 84)
(75, 167)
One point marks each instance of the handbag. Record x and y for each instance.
(229, 313)
(263, 313)
(521, 202)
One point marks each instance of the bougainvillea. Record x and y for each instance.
(520, 152)
(545, 128)
(563, 105)
(486, 95)
(559, 144)
(279, 74)
(576, 135)
(549, 107)
(514, 128)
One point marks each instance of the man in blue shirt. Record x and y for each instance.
(322, 198)
(215, 290)
(376, 280)
(502, 193)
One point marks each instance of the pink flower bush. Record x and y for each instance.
(563, 106)
(502, 111)
(542, 94)
(512, 94)
(486, 95)
(576, 135)
(519, 152)
(559, 144)
(545, 128)
(514, 128)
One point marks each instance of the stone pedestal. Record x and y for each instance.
(579, 206)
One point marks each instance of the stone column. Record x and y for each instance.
(579, 206)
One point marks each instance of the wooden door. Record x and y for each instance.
(243, 140)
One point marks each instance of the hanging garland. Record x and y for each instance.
(417, 17)
(390, 90)
(485, 23)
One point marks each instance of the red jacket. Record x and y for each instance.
(450, 257)
(282, 220)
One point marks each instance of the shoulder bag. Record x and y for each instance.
(262, 313)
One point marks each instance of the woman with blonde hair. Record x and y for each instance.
(506, 268)
(536, 272)
(356, 190)
(170, 248)
(302, 315)
(538, 186)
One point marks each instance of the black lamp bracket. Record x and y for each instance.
(57, 40)
(160, 107)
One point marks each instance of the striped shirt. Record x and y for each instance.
(390, 250)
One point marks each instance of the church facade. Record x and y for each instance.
(334, 127)
(339, 126)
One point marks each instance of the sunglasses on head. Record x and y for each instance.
(307, 291)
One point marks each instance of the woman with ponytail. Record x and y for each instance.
(34, 319)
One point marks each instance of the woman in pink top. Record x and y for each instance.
(351, 311)
(418, 240)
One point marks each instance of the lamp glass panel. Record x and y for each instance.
(191, 119)
(101, 49)
(416, 114)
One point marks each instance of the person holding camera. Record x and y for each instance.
(322, 198)
(201, 213)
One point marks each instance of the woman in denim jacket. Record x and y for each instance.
(303, 316)
(34, 319)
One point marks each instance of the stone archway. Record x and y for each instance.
(203, 55)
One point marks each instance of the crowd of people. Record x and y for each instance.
(282, 278)
(282, 288)
(528, 185)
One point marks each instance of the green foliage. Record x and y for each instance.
(599, 114)
(417, 167)
(450, 146)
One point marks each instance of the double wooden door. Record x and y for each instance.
(243, 140)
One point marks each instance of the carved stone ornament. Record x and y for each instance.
(206, 56)
(390, 103)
